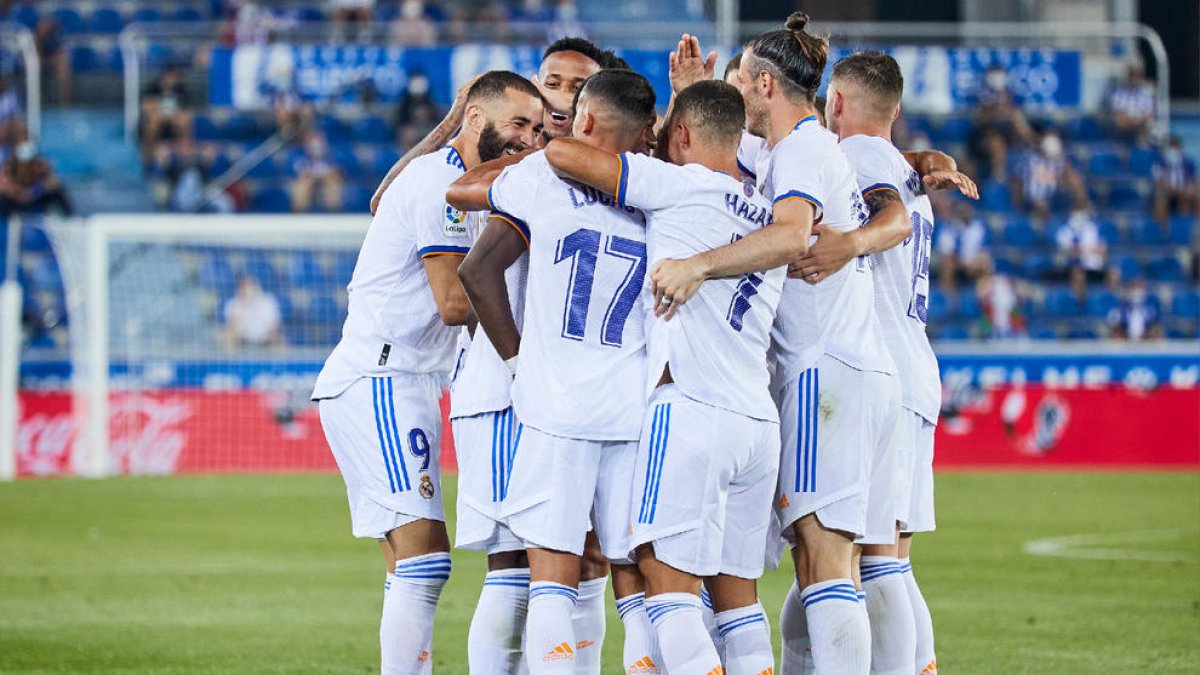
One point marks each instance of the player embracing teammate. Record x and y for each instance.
(639, 380)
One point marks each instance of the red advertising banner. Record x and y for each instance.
(197, 431)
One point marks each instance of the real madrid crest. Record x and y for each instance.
(426, 487)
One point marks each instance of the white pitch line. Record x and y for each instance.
(1082, 546)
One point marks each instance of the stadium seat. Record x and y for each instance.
(26, 15)
(384, 159)
(1166, 269)
(265, 170)
(1060, 302)
(240, 128)
(334, 130)
(1186, 303)
(1105, 164)
(939, 305)
(204, 129)
(1082, 128)
(342, 155)
(1124, 196)
(1006, 265)
(1141, 160)
(952, 333)
(146, 15)
(272, 200)
(1109, 232)
(159, 56)
(84, 58)
(1101, 302)
(68, 19)
(187, 14)
(1183, 230)
(216, 275)
(1128, 265)
(1042, 330)
(1037, 265)
(356, 198)
(994, 196)
(955, 129)
(968, 305)
(219, 166)
(1082, 330)
(33, 239)
(1019, 232)
(260, 268)
(372, 130)
(323, 309)
(106, 20)
(1147, 232)
(303, 270)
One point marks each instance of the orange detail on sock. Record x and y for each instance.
(423, 657)
(562, 652)
(930, 669)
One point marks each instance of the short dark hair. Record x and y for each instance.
(793, 56)
(712, 108)
(495, 83)
(625, 92)
(576, 44)
(876, 73)
(734, 64)
(613, 62)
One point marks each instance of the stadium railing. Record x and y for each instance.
(23, 66)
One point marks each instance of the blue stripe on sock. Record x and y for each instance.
(733, 625)
(660, 610)
(881, 574)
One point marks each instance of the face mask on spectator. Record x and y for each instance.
(997, 80)
(418, 85)
(26, 151)
(412, 9)
(1052, 145)
(1172, 155)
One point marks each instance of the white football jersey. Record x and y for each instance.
(902, 272)
(836, 316)
(753, 155)
(717, 342)
(481, 382)
(393, 325)
(583, 347)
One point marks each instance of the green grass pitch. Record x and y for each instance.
(258, 574)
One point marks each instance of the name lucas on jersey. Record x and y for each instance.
(583, 196)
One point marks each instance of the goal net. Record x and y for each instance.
(195, 341)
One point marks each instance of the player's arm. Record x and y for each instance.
(578, 160)
(939, 171)
(779, 243)
(482, 275)
(889, 225)
(470, 193)
(434, 140)
(452, 304)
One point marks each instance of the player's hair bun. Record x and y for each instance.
(796, 21)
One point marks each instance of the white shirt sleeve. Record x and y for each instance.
(440, 228)
(799, 177)
(873, 164)
(647, 183)
(511, 196)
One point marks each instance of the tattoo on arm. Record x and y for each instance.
(877, 200)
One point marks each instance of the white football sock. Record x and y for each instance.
(589, 624)
(837, 626)
(682, 637)
(926, 657)
(549, 635)
(893, 631)
(409, 603)
(641, 654)
(747, 637)
(497, 627)
(796, 656)
(709, 622)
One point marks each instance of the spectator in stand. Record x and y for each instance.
(1174, 182)
(1138, 317)
(999, 126)
(252, 317)
(350, 13)
(961, 244)
(416, 113)
(1001, 298)
(1044, 172)
(12, 118)
(1077, 285)
(178, 177)
(1080, 245)
(166, 111)
(1132, 103)
(48, 37)
(28, 184)
(413, 27)
(316, 177)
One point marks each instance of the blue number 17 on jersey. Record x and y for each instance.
(582, 247)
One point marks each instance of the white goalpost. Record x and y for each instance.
(194, 339)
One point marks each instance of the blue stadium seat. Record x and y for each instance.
(953, 333)
(187, 14)
(342, 155)
(1101, 302)
(1141, 160)
(939, 305)
(159, 55)
(356, 198)
(372, 130)
(1183, 230)
(1166, 269)
(384, 159)
(68, 19)
(1042, 330)
(955, 129)
(994, 196)
(204, 129)
(1128, 265)
(46, 274)
(323, 309)
(1083, 128)
(1006, 265)
(26, 15)
(106, 20)
(303, 270)
(287, 308)
(1109, 232)
(1060, 302)
(1124, 196)
(1082, 331)
(240, 128)
(259, 267)
(1105, 164)
(1186, 303)
(1019, 232)
(146, 15)
(272, 200)
(216, 274)
(312, 14)
(968, 305)
(265, 170)
(1037, 265)
(219, 166)
(84, 59)
(343, 267)
(334, 130)
(33, 239)
(1147, 232)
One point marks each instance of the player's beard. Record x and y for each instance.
(758, 119)
(492, 145)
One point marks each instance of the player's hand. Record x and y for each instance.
(952, 180)
(688, 66)
(674, 282)
(459, 107)
(828, 254)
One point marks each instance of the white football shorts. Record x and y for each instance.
(918, 432)
(891, 471)
(703, 488)
(486, 446)
(830, 425)
(385, 434)
(560, 488)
